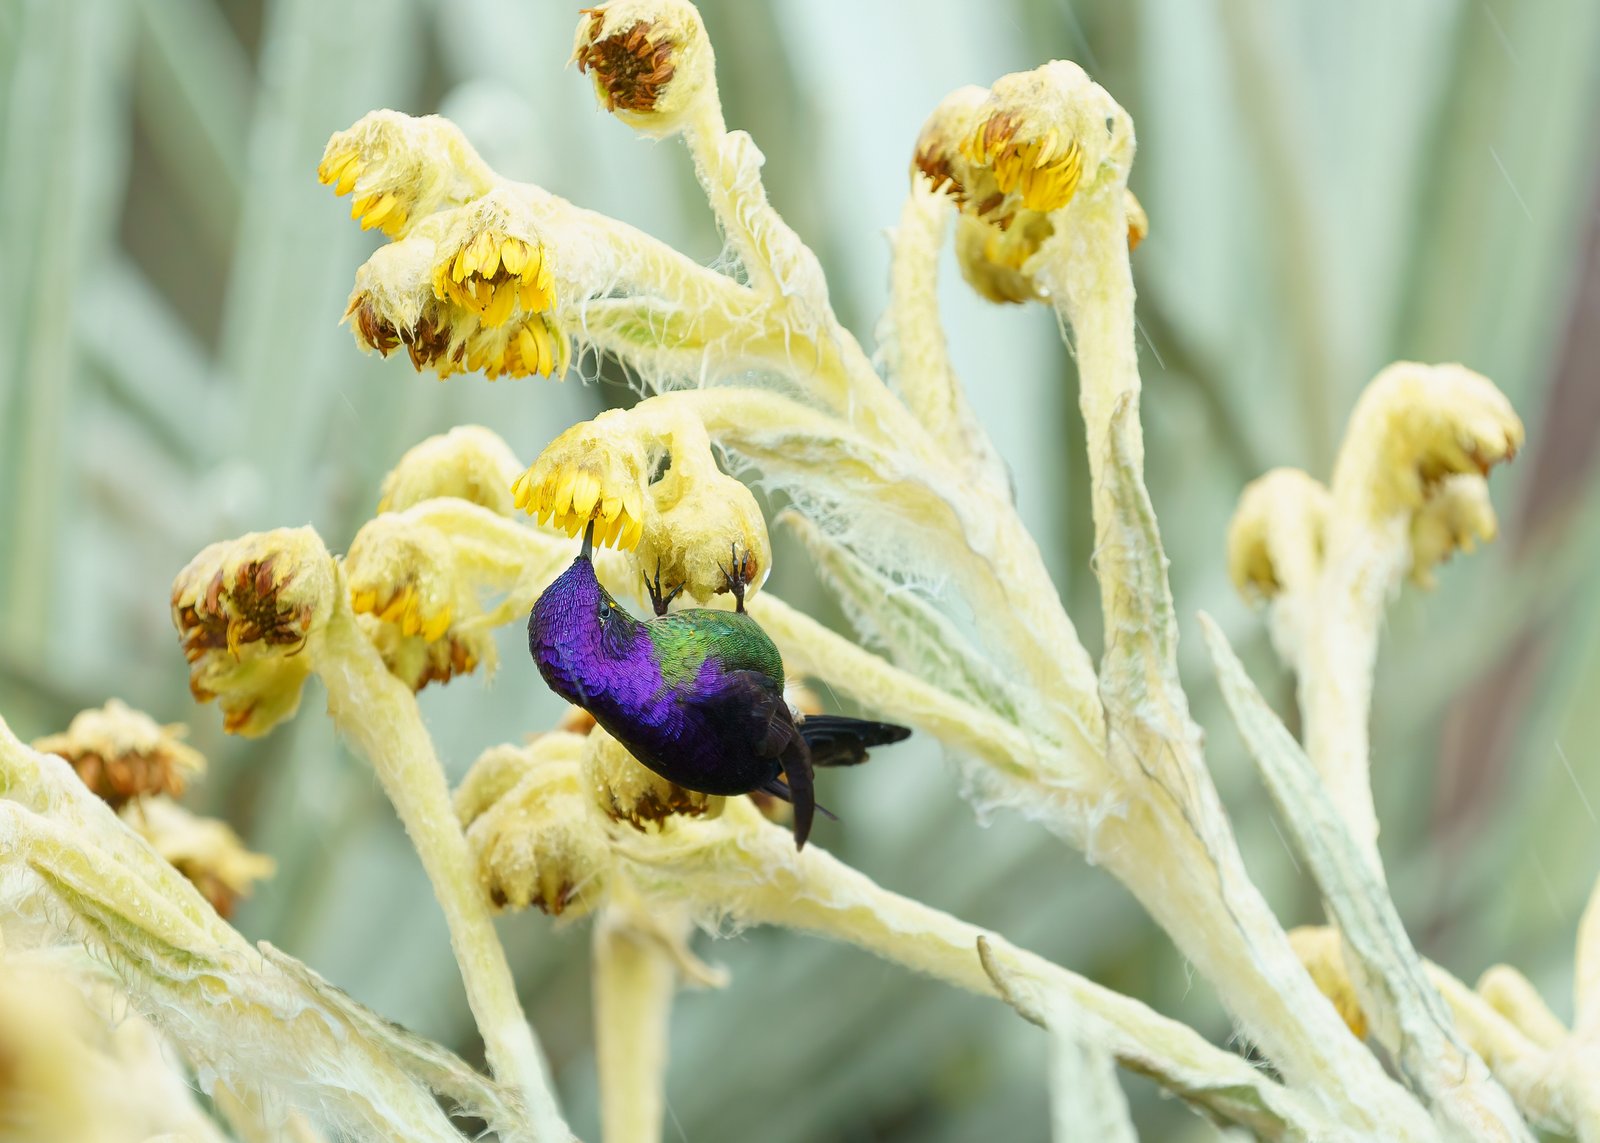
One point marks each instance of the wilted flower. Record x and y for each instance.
(469, 462)
(121, 753)
(650, 61)
(206, 851)
(594, 471)
(626, 790)
(402, 168)
(462, 292)
(244, 609)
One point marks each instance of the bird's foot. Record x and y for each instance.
(739, 573)
(657, 599)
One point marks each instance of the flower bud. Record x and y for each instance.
(1275, 537)
(469, 462)
(420, 609)
(706, 532)
(626, 790)
(122, 754)
(206, 851)
(244, 610)
(650, 61)
(1455, 518)
(594, 471)
(541, 842)
(1414, 426)
(401, 169)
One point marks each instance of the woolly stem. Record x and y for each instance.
(379, 715)
(634, 981)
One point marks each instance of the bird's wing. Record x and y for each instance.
(750, 707)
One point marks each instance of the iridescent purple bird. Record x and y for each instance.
(695, 695)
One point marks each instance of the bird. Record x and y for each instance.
(696, 695)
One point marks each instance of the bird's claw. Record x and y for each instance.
(657, 600)
(739, 574)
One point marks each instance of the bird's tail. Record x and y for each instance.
(838, 741)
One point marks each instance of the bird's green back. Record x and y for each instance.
(684, 640)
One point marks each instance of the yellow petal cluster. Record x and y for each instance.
(401, 169)
(420, 611)
(533, 830)
(244, 610)
(205, 850)
(122, 753)
(594, 471)
(1319, 949)
(650, 61)
(469, 462)
(1043, 169)
(492, 264)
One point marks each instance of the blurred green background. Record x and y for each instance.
(1330, 187)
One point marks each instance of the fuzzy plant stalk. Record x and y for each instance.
(257, 616)
(253, 1021)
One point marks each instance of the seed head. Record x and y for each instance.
(594, 471)
(649, 60)
(122, 753)
(244, 610)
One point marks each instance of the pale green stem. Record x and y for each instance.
(758, 878)
(379, 715)
(914, 341)
(634, 981)
(1586, 974)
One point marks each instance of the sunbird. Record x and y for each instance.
(695, 695)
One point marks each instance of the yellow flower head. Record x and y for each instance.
(992, 259)
(706, 531)
(1456, 517)
(401, 169)
(122, 753)
(420, 609)
(1275, 537)
(204, 850)
(938, 156)
(538, 840)
(491, 263)
(650, 61)
(1416, 425)
(625, 790)
(595, 471)
(244, 610)
(1040, 133)
(469, 462)
(396, 302)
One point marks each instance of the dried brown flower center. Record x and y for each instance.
(631, 69)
